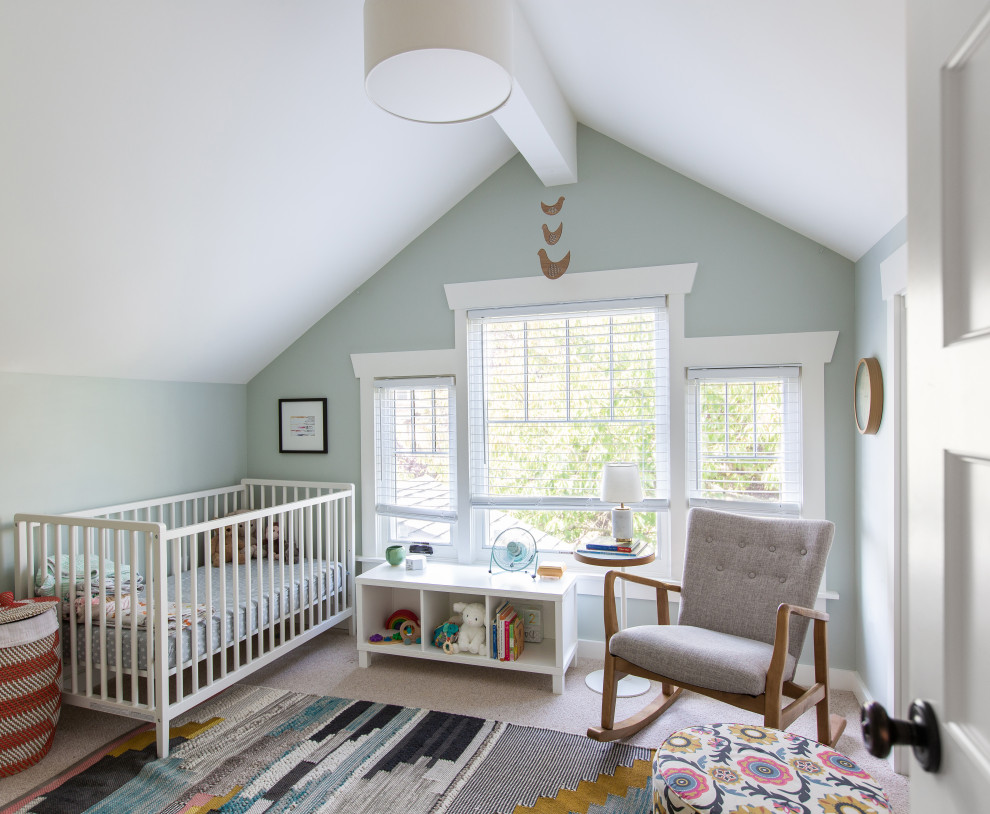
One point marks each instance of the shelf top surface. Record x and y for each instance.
(466, 578)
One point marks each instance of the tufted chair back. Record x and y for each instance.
(738, 569)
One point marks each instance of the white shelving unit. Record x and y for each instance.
(431, 593)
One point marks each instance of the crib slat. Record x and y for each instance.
(287, 552)
(333, 597)
(248, 595)
(158, 617)
(289, 610)
(177, 599)
(311, 590)
(60, 605)
(151, 609)
(271, 582)
(73, 626)
(118, 643)
(262, 550)
(132, 539)
(237, 592)
(317, 598)
(210, 610)
(99, 539)
(87, 616)
(192, 554)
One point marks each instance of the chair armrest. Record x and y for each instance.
(801, 611)
(663, 609)
(782, 638)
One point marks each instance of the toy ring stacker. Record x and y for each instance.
(409, 632)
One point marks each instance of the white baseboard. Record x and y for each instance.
(840, 679)
(591, 649)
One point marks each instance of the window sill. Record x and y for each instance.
(591, 580)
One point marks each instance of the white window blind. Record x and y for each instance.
(744, 438)
(415, 457)
(556, 394)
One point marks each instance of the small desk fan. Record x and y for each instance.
(514, 550)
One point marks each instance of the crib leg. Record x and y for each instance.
(161, 732)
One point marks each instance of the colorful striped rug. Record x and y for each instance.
(256, 749)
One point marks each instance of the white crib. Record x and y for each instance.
(203, 627)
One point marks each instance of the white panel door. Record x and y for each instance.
(949, 393)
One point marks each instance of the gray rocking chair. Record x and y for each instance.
(747, 595)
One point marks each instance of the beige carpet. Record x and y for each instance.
(328, 666)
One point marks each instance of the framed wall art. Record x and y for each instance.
(302, 425)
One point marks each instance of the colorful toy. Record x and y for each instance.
(409, 631)
(397, 619)
(387, 636)
(402, 627)
(445, 636)
(471, 636)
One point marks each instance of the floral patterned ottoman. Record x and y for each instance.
(737, 769)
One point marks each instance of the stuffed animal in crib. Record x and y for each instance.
(471, 634)
(280, 547)
(247, 548)
(247, 542)
(271, 535)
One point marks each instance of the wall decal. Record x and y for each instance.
(553, 270)
(552, 237)
(552, 209)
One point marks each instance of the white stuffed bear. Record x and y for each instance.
(471, 635)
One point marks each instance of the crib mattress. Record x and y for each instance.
(287, 585)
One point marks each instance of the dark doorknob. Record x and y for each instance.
(920, 732)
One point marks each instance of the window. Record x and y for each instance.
(554, 395)
(744, 438)
(415, 460)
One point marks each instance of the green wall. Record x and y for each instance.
(754, 276)
(70, 443)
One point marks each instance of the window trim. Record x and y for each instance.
(385, 512)
(673, 282)
(480, 503)
(790, 375)
(369, 367)
(812, 350)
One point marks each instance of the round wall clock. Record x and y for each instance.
(868, 396)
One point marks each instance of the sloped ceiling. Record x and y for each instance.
(186, 187)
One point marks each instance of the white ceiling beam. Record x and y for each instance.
(536, 117)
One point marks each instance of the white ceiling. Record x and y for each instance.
(186, 187)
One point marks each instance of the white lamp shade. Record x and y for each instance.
(621, 484)
(438, 60)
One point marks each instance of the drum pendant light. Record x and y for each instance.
(438, 60)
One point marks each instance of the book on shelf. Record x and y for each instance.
(508, 632)
(495, 641)
(519, 638)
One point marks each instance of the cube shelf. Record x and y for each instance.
(431, 594)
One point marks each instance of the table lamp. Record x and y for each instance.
(620, 484)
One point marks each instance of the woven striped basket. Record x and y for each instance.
(30, 679)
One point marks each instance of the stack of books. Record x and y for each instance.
(508, 633)
(607, 547)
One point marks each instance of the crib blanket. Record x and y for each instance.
(44, 580)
